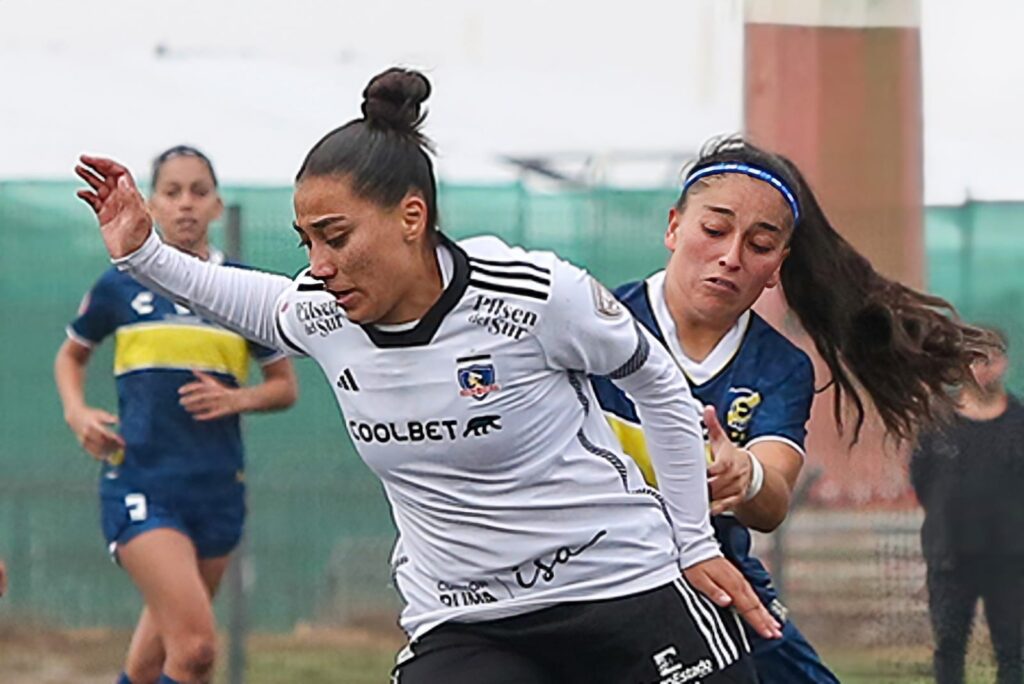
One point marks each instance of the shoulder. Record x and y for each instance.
(515, 272)
(775, 354)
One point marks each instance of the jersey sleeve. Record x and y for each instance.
(246, 301)
(97, 315)
(586, 329)
(785, 410)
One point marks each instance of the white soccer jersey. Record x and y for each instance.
(508, 488)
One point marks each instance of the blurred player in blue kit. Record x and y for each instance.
(172, 486)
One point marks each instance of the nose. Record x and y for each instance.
(320, 265)
(731, 260)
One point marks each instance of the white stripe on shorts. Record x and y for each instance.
(743, 632)
(704, 624)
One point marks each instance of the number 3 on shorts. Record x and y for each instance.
(136, 505)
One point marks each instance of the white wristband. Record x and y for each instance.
(756, 476)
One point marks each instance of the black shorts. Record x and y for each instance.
(668, 635)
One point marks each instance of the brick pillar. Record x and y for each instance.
(836, 86)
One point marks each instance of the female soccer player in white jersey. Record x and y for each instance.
(531, 550)
(746, 220)
(172, 490)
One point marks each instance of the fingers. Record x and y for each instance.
(720, 506)
(715, 432)
(206, 378)
(89, 198)
(95, 182)
(104, 166)
(703, 582)
(100, 442)
(723, 584)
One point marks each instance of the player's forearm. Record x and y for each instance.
(69, 374)
(676, 445)
(273, 394)
(236, 298)
(768, 509)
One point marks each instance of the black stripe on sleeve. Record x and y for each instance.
(637, 360)
(511, 275)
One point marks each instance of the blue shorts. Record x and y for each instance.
(789, 660)
(213, 524)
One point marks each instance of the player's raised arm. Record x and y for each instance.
(241, 299)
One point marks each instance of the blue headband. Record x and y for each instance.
(753, 172)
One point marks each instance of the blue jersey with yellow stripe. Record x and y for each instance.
(158, 344)
(760, 384)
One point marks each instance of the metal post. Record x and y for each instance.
(233, 232)
(237, 583)
(777, 558)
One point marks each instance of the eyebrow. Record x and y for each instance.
(322, 223)
(726, 211)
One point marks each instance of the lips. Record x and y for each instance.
(343, 297)
(185, 222)
(723, 284)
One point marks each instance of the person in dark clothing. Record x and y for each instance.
(969, 477)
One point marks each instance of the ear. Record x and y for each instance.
(220, 207)
(776, 276)
(414, 214)
(672, 232)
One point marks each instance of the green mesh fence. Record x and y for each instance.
(319, 529)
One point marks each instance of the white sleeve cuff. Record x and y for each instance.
(151, 245)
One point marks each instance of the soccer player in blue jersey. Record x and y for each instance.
(171, 484)
(746, 221)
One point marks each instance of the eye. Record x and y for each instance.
(760, 249)
(711, 231)
(337, 242)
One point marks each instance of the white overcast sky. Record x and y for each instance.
(256, 82)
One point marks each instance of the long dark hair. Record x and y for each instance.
(383, 153)
(903, 348)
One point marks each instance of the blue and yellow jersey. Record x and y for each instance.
(760, 384)
(157, 345)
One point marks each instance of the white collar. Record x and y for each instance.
(699, 372)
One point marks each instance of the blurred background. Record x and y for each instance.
(559, 125)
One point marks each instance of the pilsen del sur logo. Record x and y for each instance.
(476, 376)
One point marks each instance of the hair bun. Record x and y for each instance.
(392, 100)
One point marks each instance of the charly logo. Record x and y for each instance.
(544, 568)
(671, 671)
(319, 318)
(741, 411)
(143, 303)
(476, 376)
(501, 318)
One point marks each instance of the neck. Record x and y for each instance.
(984, 402)
(698, 335)
(425, 288)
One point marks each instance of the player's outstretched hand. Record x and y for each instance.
(723, 583)
(730, 472)
(90, 426)
(208, 398)
(125, 222)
